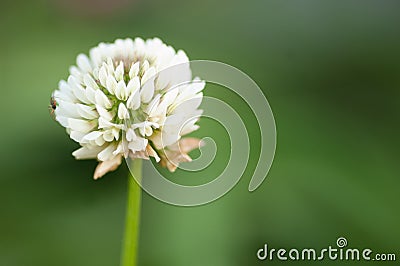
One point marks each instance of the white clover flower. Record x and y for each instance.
(118, 103)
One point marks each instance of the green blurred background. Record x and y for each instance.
(330, 70)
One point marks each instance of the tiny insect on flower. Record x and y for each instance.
(52, 106)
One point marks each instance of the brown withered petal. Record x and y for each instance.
(107, 166)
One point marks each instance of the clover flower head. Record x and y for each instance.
(119, 103)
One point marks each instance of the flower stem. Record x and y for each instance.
(131, 238)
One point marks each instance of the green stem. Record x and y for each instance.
(131, 238)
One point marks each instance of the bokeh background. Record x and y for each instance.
(330, 70)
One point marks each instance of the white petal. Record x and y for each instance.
(119, 47)
(120, 149)
(110, 65)
(142, 130)
(89, 81)
(145, 66)
(153, 105)
(107, 124)
(123, 113)
(111, 84)
(115, 132)
(145, 124)
(147, 82)
(83, 63)
(119, 72)
(103, 75)
(81, 125)
(77, 89)
(86, 152)
(134, 71)
(107, 153)
(62, 120)
(96, 55)
(87, 111)
(134, 100)
(95, 73)
(188, 106)
(146, 127)
(77, 136)
(148, 131)
(175, 119)
(120, 91)
(163, 80)
(93, 135)
(189, 128)
(67, 109)
(108, 135)
(102, 99)
(139, 144)
(103, 123)
(65, 92)
(90, 95)
(149, 74)
(80, 93)
(130, 135)
(100, 141)
(170, 137)
(74, 71)
(170, 97)
(104, 113)
(139, 43)
(197, 85)
(129, 48)
(133, 85)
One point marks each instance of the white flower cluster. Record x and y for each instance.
(118, 102)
